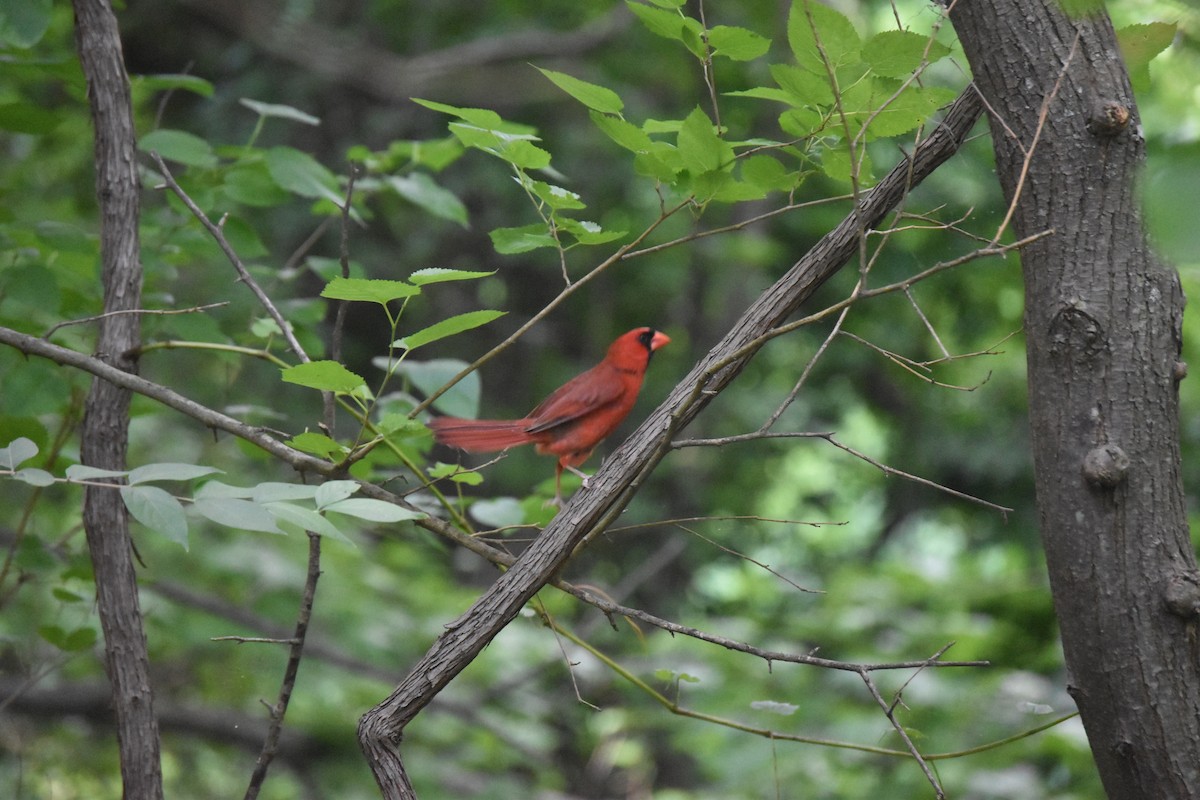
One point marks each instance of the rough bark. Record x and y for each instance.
(611, 488)
(1102, 322)
(106, 416)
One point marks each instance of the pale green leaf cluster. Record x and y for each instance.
(269, 507)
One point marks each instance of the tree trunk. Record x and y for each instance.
(106, 418)
(1103, 325)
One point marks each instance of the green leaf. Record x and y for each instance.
(767, 173)
(512, 241)
(23, 23)
(318, 444)
(701, 149)
(598, 98)
(306, 519)
(810, 21)
(217, 489)
(421, 190)
(368, 290)
(373, 510)
(233, 512)
(273, 491)
(34, 477)
(328, 376)
(1139, 45)
(737, 44)
(440, 275)
(169, 472)
(764, 93)
(904, 112)
(448, 327)
(301, 174)
(897, 54)
(334, 491)
(170, 82)
(252, 185)
(556, 197)
(17, 452)
(806, 88)
(180, 146)
(461, 400)
(80, 472)
(664, 23)
(279, 112)
(588, 233)
(158, 511)
(480, 117)
(625, 134)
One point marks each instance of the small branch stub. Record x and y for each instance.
(1179, 371)
(1105, 466)
(1182, 595)
(1108, 118)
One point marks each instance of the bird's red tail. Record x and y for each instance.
(481, 435)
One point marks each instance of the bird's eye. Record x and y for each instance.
(646, 337)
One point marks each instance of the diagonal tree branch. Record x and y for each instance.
(611, 489)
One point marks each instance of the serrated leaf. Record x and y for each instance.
(334, 491)
(169, 472)
(440, 275)
(158, 511)
(34, 477)
(373, 510)
(179, 146)
(327, 376)
(1141, 43)
(809, 22)
(301, 174)
(233, 512)
(279, 111)
(664, 23)
(737, 44)
(588, 233)
(421, 190)
(594, 96)
(370, 290)
(467, 478)
(624, 133)
(701, 149)
(448, 327)
(306, 519)
(480, 117)
(512, 241)
(806, 88)
(897, 54)
(17, 452)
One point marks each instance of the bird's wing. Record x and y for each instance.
(576, 398)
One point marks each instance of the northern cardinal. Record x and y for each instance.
(575, 418)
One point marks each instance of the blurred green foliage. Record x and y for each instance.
(522, 178)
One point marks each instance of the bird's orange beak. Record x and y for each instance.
(658, 340)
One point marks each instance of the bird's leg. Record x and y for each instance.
(557, 502)
(587, 479)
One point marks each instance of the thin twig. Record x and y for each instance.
(271, 743)
(164, 312)
(244, 275)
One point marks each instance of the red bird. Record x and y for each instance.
(572, 421)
